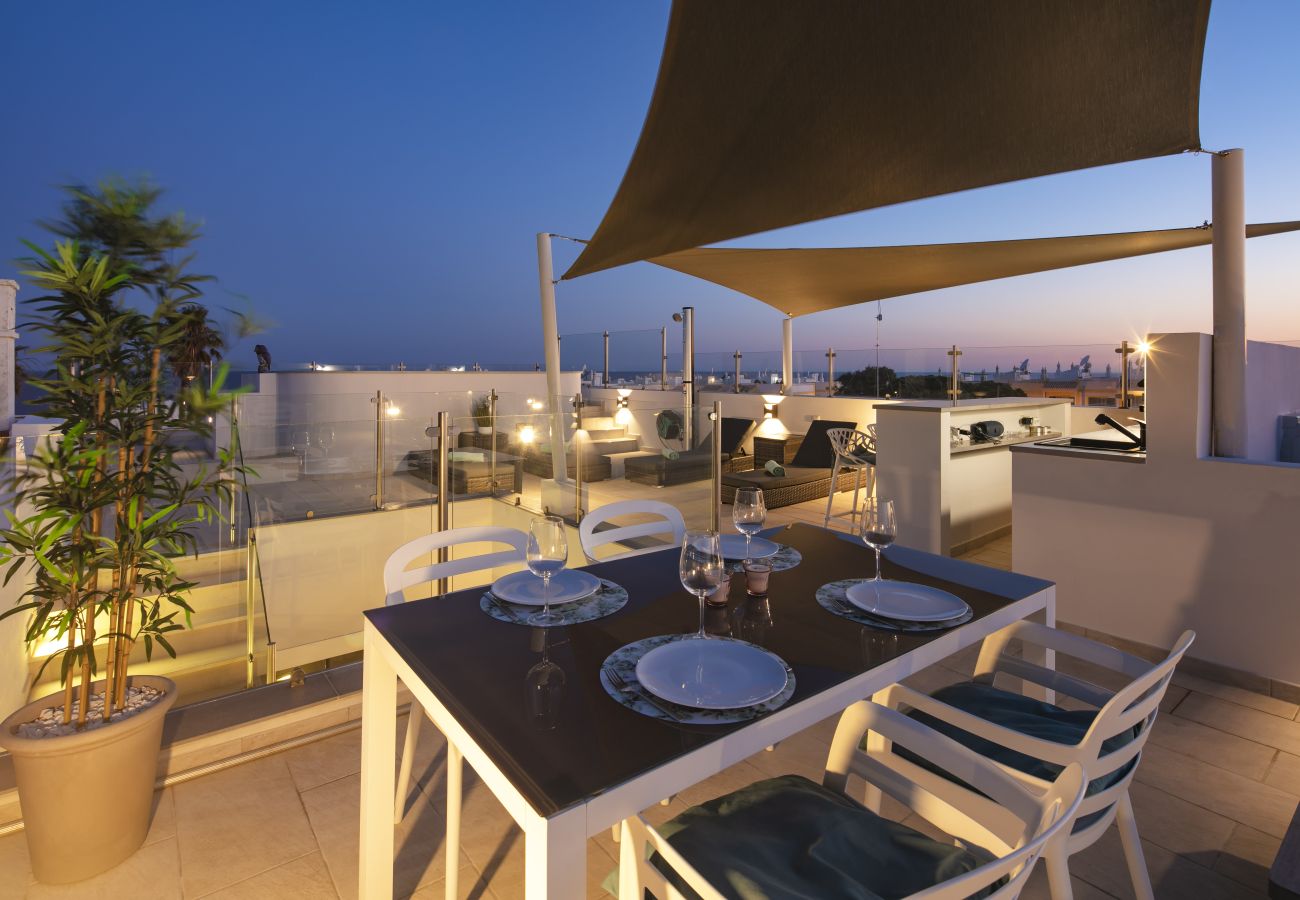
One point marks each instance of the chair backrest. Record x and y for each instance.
(816, 451)
(1120, 729)
(989, 809)
(734, 432)
(999, 814)
(397, 577)
(851, 445)
(664, 519)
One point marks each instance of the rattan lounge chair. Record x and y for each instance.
(694, 465)
(808, 477)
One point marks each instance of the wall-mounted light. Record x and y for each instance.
(771, 426)
(535, 405)
(622, 415)
(391, 410)
(770, 402)
(527, 434)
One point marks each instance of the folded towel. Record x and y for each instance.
(774, 468)
(671, 454)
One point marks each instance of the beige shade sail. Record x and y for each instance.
(769, 113)
(803, 281)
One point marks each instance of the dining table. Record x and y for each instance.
(590, 762)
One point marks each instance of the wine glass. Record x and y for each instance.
(547, 553)
(879, 527)
(701, 567)
(544, 689)
(748, 511)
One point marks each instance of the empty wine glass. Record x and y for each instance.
(701, 567)
(748, 512)
(548, 551)
(544, 690)
(879, 527)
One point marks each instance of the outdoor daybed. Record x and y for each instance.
(808, 477)
(694, 465)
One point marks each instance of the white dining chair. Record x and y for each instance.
(1032, 739)
(773, 833)
(665, 520)
(854, 451)
(397, 578)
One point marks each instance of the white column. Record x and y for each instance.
(8, 334)
(551, 348)
(787, 354)
(1229, 256)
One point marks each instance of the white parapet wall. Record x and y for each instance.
(1182, 540)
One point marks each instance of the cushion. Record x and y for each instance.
(1026, 715)
(760, 478)
(793, 839)
(816, 451)
(734, 432)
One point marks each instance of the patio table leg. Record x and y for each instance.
(555, 856)
(378, 769)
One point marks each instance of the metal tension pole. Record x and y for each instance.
(736, 356)
(955, 390)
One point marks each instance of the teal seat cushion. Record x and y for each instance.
(1026, 715)
(789, 838)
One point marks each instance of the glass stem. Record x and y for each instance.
(877, 549)
(546, 589)
(748, 538)
(701, 599)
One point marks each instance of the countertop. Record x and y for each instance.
(1084, 452)
(965, 405)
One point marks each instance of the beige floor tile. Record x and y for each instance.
(321, 762)
(305, 878)
(152, 873)
(1262, 702)
(726, 781)
(1174, 695)
(1285, 774)
(1227, 751)
(469, 887)
(1036, 888)
(1240, 799)
(238, 823)
(15, 867)
(507, 881)
(1247, 857)
(1177, 825)
(334, 810)
(1173, 877)
(804, 754)
(1242, 721)
(163, 823)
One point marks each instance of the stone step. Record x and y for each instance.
(615, 445)
(599, 423)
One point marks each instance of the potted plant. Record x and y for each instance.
(102, 509)
(482, 413)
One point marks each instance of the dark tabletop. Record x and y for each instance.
(479, 667)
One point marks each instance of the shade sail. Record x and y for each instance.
(768, 113)
(802, 281)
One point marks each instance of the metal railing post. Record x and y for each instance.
(1124, 351)
(444, 486)
(830, 370)
(605, 381)
(715, 492)
(577, 459)
(663, 359)
(492, 442)
(379, 449)
(954, 390)
(736, 356)
(250, 603)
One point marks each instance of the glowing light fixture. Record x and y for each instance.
(622, 415)
(527, 434)
(1143, 347)
(770, 402)
(392, 410)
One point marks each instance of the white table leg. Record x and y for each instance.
(1043, 656)
(555, 856)
(378, 769)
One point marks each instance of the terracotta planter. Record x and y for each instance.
(87, 797)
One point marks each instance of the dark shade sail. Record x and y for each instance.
(768, 113)
(799, 281)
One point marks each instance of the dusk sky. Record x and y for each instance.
(371, 176)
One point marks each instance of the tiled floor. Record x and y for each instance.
(1218, 784)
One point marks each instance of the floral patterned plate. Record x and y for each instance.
(606, 601)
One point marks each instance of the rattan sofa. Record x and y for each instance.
(808, 477)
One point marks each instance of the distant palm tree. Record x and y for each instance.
(200, 344)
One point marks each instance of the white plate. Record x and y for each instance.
(906, 602)
(525, 588)
(733, 547)
(711, 673)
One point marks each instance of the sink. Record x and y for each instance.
(1084, 443)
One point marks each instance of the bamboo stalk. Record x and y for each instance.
(69, 683)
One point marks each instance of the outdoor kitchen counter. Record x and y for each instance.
(1043, 446)
(950, 498)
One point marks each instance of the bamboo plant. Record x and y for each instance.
(112, 506)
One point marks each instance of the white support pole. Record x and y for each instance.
(688, 375)
(8, 334)
(1229, 257)
(551, 347)
(787, 354)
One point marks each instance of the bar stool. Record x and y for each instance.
(856, 451)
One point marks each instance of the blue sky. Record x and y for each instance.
(370, 177)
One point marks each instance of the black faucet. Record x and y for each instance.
(1139, 440)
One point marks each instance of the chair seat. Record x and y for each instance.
(790, 838)
(1035, 718)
